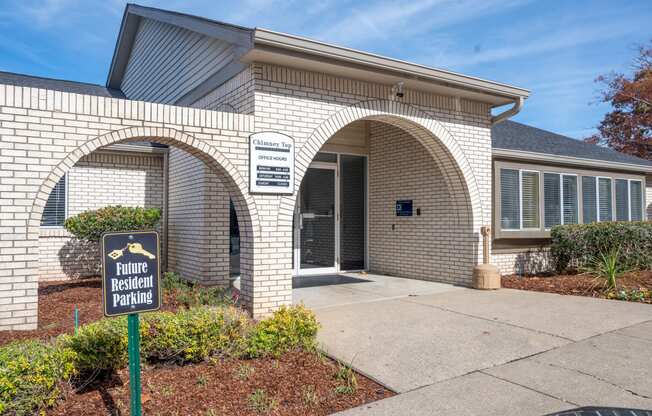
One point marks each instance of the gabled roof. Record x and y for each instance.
(510, 138)
(262, 45)
(21, 80)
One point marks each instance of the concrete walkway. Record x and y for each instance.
(456, 351)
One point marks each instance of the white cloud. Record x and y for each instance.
(402, 19)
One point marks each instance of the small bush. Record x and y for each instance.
(90, 225)
(574, 246)
(190, 294)
(288, 328)
(30, 376)
(347, 383)
(260, 402)
(195, 334)
(608, 266)
(100, 345)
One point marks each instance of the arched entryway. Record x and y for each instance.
(224, 170)
(411, 157)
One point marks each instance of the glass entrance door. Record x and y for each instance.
(316, 222)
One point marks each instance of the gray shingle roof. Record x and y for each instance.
(10, 78)
(511, 135)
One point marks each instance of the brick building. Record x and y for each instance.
(392, 168)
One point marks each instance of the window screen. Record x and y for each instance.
(604, 199)
(530, 199)
(622, 200)
(510, 207)
(54, 213)
(551, 199)
(570, 208)
(589, 202)
(636, 200)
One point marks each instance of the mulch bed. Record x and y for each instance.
(224, 388)
(217, 388)
(580, 284)
(56, 308)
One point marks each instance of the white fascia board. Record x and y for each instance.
(312, 47)
(569, 160)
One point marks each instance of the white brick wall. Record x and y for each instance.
(311, 107)
(235, 95)
(435, 245)
(198, 222)
(98, 180)
(523, 262)
(44, 133)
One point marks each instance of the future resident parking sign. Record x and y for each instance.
(271, 163)
(130, 272)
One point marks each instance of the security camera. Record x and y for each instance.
(397, 90)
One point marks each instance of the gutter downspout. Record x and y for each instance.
(518, 104)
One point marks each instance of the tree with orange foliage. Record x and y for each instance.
(628, 127)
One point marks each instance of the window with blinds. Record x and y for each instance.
(636, 200)
(534, 201)
(530, 199)
(560, 204)
(570, 204)
(604, 200)
(589, 199)
(622, 200)
(551, 199)
(510, 206)
(54, 213)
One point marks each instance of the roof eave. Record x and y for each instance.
(570, 160)
(265, 37)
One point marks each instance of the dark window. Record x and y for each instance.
(54, 213)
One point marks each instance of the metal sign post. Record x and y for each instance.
(134, 364)
(131, 283)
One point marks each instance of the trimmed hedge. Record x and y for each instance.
(287, 329)
(195, 334)
(31, 372)
(90, 225)
(573, 246)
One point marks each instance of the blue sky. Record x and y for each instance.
(555, 48)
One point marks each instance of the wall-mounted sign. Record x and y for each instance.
(404, 208)
(130, 272)
(271, 163)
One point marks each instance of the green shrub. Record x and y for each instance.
(288, 328)
(194, 334)
(190, 294)
(90, 225)
(30, 376)
(100, 345)
(574, 246)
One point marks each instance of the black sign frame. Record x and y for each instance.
(157, 294)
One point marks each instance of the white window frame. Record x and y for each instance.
(66, 179)
(561, 197)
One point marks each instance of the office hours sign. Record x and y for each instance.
(131, 280)
(271, 163)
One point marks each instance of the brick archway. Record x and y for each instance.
(227, 172)
(442, 146)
